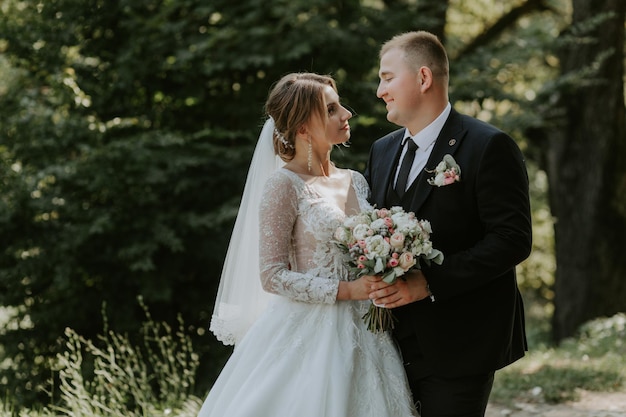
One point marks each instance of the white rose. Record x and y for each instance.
(426, 226)
(403, 221)
(378, 224)
(361, 231)
(377, 246)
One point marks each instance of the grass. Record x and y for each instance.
(113, 378)
(594, 360)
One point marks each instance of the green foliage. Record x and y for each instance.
(113, 377)
(156, 377)
(595, 360)
(127, 130)
(536, 274)
(127, 127)
(123, 219)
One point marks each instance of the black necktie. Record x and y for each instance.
(405, 168)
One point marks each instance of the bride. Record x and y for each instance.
(309, 353)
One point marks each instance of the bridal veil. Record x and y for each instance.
(240, 297)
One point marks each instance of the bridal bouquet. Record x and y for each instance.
(387, 242)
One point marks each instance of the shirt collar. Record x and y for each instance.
(427, 136)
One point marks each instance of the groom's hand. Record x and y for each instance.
(402, 292)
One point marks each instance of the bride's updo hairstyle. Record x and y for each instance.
(292, 102)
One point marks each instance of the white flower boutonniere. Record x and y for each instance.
(447, 172)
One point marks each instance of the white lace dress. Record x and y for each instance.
(309, 355)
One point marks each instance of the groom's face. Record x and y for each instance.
(398, 87)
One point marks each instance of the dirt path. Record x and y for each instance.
(590, 404)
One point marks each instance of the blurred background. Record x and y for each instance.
(127, 127)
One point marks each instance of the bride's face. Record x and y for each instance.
(337, 126)
(335, 129)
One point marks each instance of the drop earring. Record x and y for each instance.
(310, 156)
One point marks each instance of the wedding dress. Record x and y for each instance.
(309, 355)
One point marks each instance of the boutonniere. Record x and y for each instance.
(447, 172)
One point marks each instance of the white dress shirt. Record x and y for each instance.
(424, 139)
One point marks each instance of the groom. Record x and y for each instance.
(460, 321)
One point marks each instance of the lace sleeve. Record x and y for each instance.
(278, 215)
(362, 189)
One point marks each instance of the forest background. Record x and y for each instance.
(127, 126)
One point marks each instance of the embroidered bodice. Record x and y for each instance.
(298, 217)
(307, 355)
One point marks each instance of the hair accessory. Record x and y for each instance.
(282, 139)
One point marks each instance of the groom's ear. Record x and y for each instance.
(425, 78)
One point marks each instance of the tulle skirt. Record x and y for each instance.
(311, 360)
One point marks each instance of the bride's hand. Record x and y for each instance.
(358, 289)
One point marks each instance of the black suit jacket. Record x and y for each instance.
(482, 225)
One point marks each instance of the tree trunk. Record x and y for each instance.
(586, 163)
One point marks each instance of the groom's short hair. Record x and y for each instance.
(420, 48)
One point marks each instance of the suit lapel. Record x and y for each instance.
(390, 153)
(447, 142)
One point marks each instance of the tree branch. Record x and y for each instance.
(504, 23)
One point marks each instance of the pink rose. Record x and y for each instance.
(393, 262)
(383, 212)
(407, 261)
(450, 176)
(397, 240)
